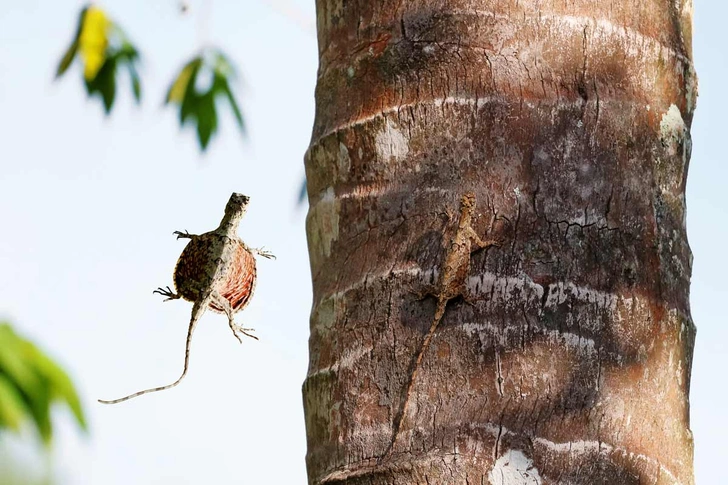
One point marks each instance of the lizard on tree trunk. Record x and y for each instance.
(451, 284)
(216, 270)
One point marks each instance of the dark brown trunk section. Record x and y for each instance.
(570, 121)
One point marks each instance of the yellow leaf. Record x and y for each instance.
(93, 41)
(177, 91)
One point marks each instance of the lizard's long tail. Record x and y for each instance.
(399, 418)
(197, 310)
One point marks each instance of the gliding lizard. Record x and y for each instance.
(216, 270)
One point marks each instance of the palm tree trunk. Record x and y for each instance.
(570, 121)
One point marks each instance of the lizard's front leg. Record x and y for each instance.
(167, 291)
(262, 252)
(479, 243)
(225, 304)
(422, 293)
(184, 235)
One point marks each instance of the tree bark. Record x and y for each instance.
(570, 121)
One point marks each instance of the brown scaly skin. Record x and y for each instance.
(451, 284)
(216, 270)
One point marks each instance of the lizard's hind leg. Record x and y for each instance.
(237, 329)
(469, 296)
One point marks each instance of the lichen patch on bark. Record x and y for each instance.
(391, 143)
(672, 126)
(514, 468)
(323, 224)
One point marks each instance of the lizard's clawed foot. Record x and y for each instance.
(447, 212)
(421, 294)
(171, 295)
(184, 235)
(264, 253)
(237, 329)
(491, 242)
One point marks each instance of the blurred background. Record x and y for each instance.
(88, 204)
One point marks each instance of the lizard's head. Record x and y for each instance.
(238, 203)
(468, 201)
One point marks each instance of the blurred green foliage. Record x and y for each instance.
(29, 383)
(102, 47)
(196, 89)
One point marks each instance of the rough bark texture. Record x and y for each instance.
(570, 121)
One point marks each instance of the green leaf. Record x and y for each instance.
(67, 59)
(59, 383)
(223, 72)
(15, 365)
(224, 88)
(206, 119)
(222, 65)
(136, 86)
(127, 51)
(104, 84)
(70, 54)
(40, 409)
(29, 383)
(13, 408)
(129, 55)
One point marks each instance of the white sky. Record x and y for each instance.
(87, 209)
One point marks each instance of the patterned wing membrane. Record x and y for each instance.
(191, 273)
(238, 286)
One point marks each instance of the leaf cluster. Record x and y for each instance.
(197, 103)
(103, 48)
(29, 383)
